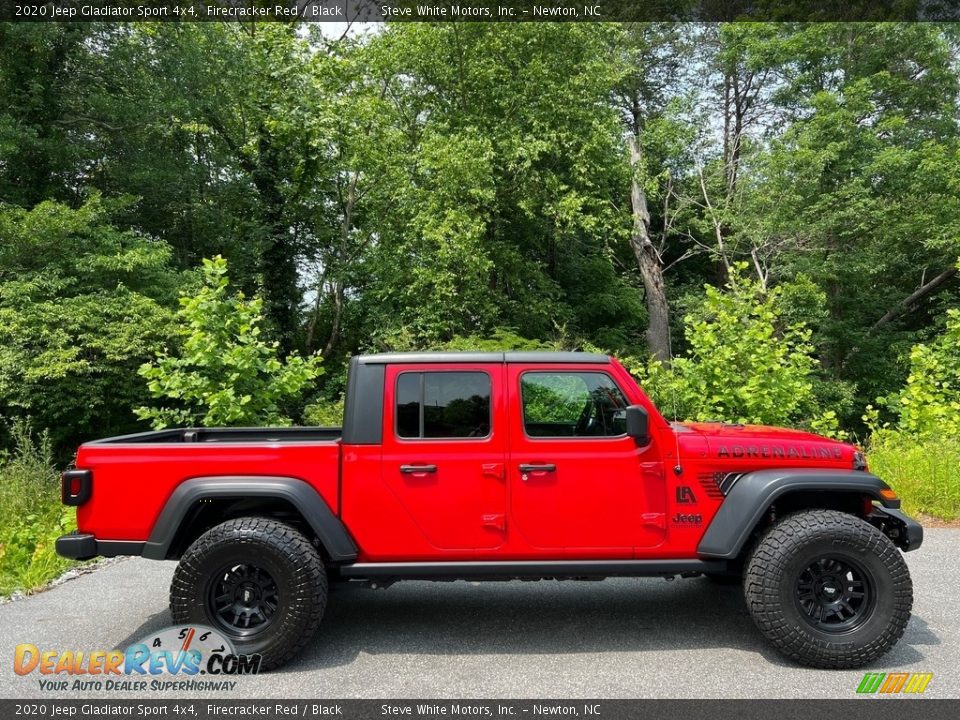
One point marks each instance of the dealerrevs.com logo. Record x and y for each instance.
(169, 660)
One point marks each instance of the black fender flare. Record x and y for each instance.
(331, 532)
(754, 492)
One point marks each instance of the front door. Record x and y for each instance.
(577, 481)
(444, 452)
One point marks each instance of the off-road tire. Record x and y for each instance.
(288, 557)
(773, 578)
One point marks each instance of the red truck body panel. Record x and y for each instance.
(602, 498)
(133, 482)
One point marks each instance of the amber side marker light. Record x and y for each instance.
(888, 494)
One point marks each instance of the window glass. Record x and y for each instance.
(572, 404)
(408, 405)
(443, 405)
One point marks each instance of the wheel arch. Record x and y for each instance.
(199, 503)
(751, 498)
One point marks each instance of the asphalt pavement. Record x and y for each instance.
(622, 638)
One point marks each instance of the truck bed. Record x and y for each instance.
(133, 476)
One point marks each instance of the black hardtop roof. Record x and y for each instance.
(483, 357)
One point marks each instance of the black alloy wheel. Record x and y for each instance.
(835, 595)
(243, 599)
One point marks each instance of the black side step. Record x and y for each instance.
(527, 569)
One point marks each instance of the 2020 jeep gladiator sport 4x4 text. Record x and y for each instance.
(499, 466)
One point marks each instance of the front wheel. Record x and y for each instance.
(828, 589)
(258, 581)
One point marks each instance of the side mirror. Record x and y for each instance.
(638, 424)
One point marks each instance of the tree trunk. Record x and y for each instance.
(278, 262)
(658, 330)
(335, 322)
(911, 301)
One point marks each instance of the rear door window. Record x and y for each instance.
(433, 405)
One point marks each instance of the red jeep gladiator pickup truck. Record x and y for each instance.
(495, 466)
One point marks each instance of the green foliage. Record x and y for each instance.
(324, 413)
(743, 363)
(494, 208)
(857, 186)
(31, 516)
(925, 472)
(500, 340)
(224, 373)
(41, 83)
(429, 185)
(82, 305)
(553, 399)
(928, 406)
(930, 402)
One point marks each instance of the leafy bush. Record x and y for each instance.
(225, 372)
(925, 472)
(745, 362)
(553, 398)
(498, 340)
(31, 516)
(919, 453)
(929, 404)
(82, 305)
(324, 413)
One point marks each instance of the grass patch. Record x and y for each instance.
(924, 472)
(31, 516)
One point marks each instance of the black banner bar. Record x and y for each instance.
(343, 11)
(873, 708)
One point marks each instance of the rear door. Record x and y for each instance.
(578, 483)
(444, 446)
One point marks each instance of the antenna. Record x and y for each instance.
(678, 468)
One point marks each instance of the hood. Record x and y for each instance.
(770, 445)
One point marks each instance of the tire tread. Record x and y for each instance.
(304, 609)
(766, 567)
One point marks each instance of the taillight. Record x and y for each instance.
(76, 486)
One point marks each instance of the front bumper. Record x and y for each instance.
(906, 533)
(83, 546)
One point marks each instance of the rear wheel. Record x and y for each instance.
(828, 589)
(258, 581)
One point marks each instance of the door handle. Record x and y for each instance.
(546, 467)
(412, 469)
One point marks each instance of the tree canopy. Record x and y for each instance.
(634, 187)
